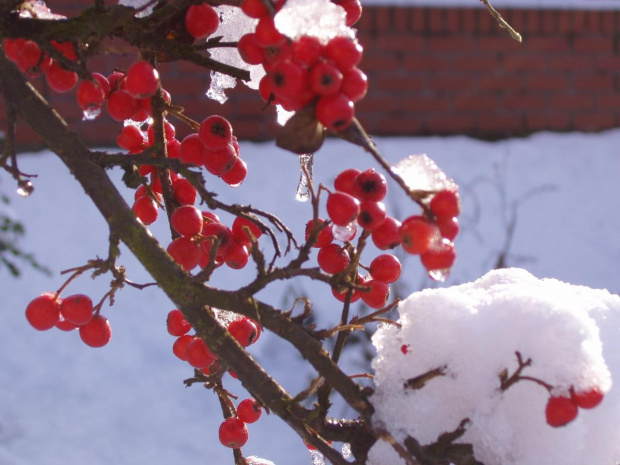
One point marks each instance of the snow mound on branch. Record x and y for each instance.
(572, 335)
(318, 18)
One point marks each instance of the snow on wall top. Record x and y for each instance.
(499, 4)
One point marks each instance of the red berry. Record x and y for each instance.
(184, 192)
(377, 294)
(353, 9)
(237, 173)
(43, 312)
(131, 138)
(176, 323)
(215, 132)
(185, 252)
(254, 8)
(217, 233)
(192, 150)
(180, 346)
(243, 330)
(142, 80)
(65, 325)
(335, 112)
(91, 94)
(77, 309)
(198, 354)
(354, 84)
(372, 215)
(267, 34)
(448, 227)
(417, 234)
(587, 399)
(220, 162)
(333, 258)
(233, 433)
(169, 132)
(560, 411)
(386, 268)
(324, 237)
(187, 220)
(237, 256)
(342, 208)
(250, 51)
(66, 48)
(173, 148)
(325, 78)
(307, 50)
(289, 78)
(345, 181)
(344, 51)
(145, 209)
(201, 20)
(386, 235)
(370, 185)
(245, 230)
(439, 257)
(355, 295)
(59, 79)
(97, 332)
(446, 204)
(249, 410)
(122, 106)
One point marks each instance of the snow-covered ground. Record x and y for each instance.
(64, 403)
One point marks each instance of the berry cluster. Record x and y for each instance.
(233, 431)
(73, 312)
(561, 410)
(306, 71)
(358, 202)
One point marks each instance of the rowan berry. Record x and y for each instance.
(59, 79)
(386, 268)
(446, 204)
(185, 252)
(417, 234)
(249, 410)
(97, 332)
(145, 209)
(386, 235)
(237, 256)
(201, 20)
(237, 173)
(377, 294)
(243, 330)
(122, 106)
(180, 346)
(186, 220)
(372, 214)
(249, 50)
(233, 433)
(245, 230)
(333, 258)
(215, 132)
(342, 208)
(587, 399)
(325, 235)
(325, 78)
(142, 80)
(198, 354)
(335, 112)
(560, 411)
(345, 52)
(43, 312)
(184, 192)
(176, 323)
(77, 309)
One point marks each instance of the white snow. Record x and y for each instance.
(474, 331)
(499, 4)
(318, 18)
(64, 403)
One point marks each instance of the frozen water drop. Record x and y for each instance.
(317, 458)
(346, 450)
(25, 188)
(345, 233)
(306, 162)
(439, 275)
(91, 112)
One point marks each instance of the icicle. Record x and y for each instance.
(91, 112)
(345, 233)
(306, 162)
(25, 188)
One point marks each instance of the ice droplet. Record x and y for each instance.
(317, 458)
(345, 233)
(439, 275)
(306, 162)
(346, 450)
(91, 112)
(25, 188)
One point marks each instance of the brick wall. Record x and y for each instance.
(434, 71)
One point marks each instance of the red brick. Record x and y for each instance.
(516, 19)
(564, 21)
(500, 83)
(596, 82)
(418, 20)
(594, 21)
(452, 83)
(365, 23)
(549, 21)
(476, 103)
(399, 84)
(570, 62)
(556, 121)
(379, 103)
(579, 21)
(547, 44)
(475, 62)
(532, 21)
(446, 124)
(503, 43)
(607, 63)
(422, 62)
(593, 44)
(400, 41)
(382, 20)
(486, 22)
(608, 22)
(435, 20)
(607, 100)
(525, 102)
(426, 104)
(468, 19)
(594, 121)
(547, 82)
(504, 124)
(399, 126)
(379, 62)
(401, 19)
(571, 102)
(452, 20)
(457, 43)
(523, 61)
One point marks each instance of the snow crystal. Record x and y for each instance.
(319, 18)
(421, 173)
(137, 4)
(472, 333)
(233, 24)
(253, 460)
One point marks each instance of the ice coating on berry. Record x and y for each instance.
(474, 330)
(421, 173)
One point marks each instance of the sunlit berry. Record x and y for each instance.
(215, 132)
(43, 312)
(587, 399)
(233, 433)
(387, 234)
(249, 410)
(243, 330)
(198, 354)
(372, 214)
(560, 411)
(333, 258)
(335, 112)
(187, 220)
(142, 80)
(146, 209)
(97, 332)
(176, 323)
(344, 51)
(377, 294)
(325, 235)
(417, 234)
(201, 20)
(446, 204)
(386, 268)
(77, 309)
(185, 252)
